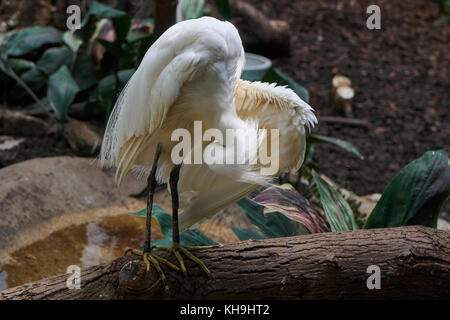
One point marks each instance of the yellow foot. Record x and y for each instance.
(150, 258)
(177, 249)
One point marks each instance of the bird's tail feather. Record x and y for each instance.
(210, 202)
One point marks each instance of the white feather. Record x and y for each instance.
(191, 73)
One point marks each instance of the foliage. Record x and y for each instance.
(337, 211)
(192, 9)
(191, 237)
(90, 64)
(279, 211)
(99, 58)
(415, 195)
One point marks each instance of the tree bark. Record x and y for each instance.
(414, 262)
(165, 15)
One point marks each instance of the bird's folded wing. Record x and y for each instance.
(143, 104)
(279, 108)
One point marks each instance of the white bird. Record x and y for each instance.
(192, 73)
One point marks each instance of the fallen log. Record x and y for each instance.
(414, 262)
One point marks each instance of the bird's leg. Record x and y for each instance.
(177, 248)
(148, 257)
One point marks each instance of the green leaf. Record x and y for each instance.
(121, 25)
(415, 195)
(141, 47)
(111, 47)
(286, 200)
(34, 75)
(73, 42)
(30, 39)
(98, 9)
(315, 138)
(54, 58)
(191, 237)
(106, 89)
(118, 17)
(337, 211)
(61, 91)
(121, 20)
(101, 10)
(223, 6)
(20, 65)
(162, 217)
(271, 225)
(246, 234)
(85, 72)
(192, 9)
(274, 75)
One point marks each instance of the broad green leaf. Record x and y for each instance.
(11, 73)
(415, 195)
(101, 10)
(139, 48)
(34, 75)
(274, 75)
(337, 211)
(85, 72)
(315, 138)
(111, 47)
(191, 237)
(106, 91)
(286, 200)
(61, 91)
(121, 25)
(71, 40)
(191, 9)
(271, 225)
(140, 28)
(246, 234)
(54, 58)
(30, 39)
(160, 216)
(87, 26)
(224, 8)
(20, 65)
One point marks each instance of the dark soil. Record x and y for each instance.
(37, 147)
(400, 73)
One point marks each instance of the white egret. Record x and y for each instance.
(192, 73)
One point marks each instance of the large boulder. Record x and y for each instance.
(40, 196)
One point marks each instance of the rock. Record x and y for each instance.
(43, 195)
(16, 123)
(443, 224)
(9, 148)
(81, 137)
(8, 143)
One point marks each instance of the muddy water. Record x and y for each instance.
(84, 245)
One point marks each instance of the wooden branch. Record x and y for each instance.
(414, 262)
(260, 34)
